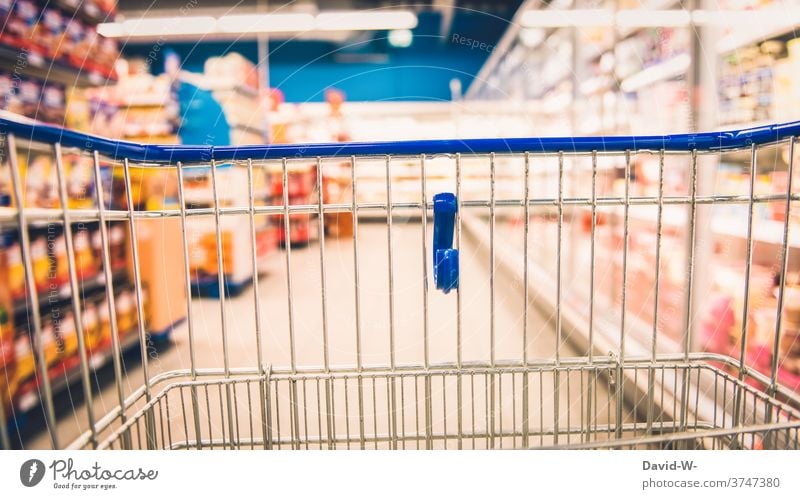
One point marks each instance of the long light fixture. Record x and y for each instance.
(265, 23)
(165, 25)
(670, 68)
(260, 23)
(562, 18)
(650, 18)
(366, 20)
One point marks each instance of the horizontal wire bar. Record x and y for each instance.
(117, 149)
(35, 215)
(441, 436)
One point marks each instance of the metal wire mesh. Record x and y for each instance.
(620, 389)
(468, 408)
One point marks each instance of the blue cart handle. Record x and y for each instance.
(445, 257)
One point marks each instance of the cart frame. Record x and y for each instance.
(751, 409)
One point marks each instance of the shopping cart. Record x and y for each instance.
(610, 395)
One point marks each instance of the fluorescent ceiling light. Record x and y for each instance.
(371, 20)
(644, 18)
(531, 37)
(265, 23)
(651, 18)
(111, 30)
(401, 38)
(666, 70)
(260, 23)
(563, 18)
(165, 26)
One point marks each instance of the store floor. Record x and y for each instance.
(374, 320)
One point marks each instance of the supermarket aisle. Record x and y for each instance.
(374, 309)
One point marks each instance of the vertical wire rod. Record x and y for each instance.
(324, 304)
(116, 350)
(137, 284)
(525, 250)
(526, 210)
(220, 270)
(256, 295)
(46, 392)
(188, 289)
(389, 244)
(289, 300)
(76, 294)
(492, 216)
(784, 268)
(426, 379)
(424, 216)
(322, 279)
(390, 261)
(459, 323)
(459, 326)
(392, 426)
(592, 257)
(288, 244)
(687, 338)
(254, 267)
(559, 235)
(492, 353)
(221, 284)
(354, 192)
(654, 340)
(625, 235)
(357, 285)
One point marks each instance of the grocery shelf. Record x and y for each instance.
(29, 398)
(36, 66)
(665, 70)
(87, 11)
(62, 295)
(765, 231)
(781, 22)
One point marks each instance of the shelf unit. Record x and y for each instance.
(606, 95)
(36, 66)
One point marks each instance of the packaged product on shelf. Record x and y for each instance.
(103, 320)
(105, 6)
(7, 361)
(126, 312)
(98, 58)
(80, 181)
(23, 354)
(40, 183)
(53, 104)
(790, 331)
(15, 271)
(61, 274)
(118, 246)
(83, 38)
(29, 93)
(6, 331)
(40, 261)
(91, 326)
(51, 344)
(86, 264)
(73, 36)
(6, 6)
(50, 29)
(63, 326)
(106, 52)
(21, 24)
(6, 90)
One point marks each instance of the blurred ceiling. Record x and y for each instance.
(470, 18)
(364, 63)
